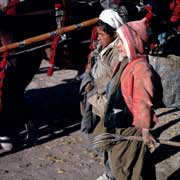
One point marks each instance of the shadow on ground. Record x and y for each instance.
(175, 175)
(50, 113)
(164, 152)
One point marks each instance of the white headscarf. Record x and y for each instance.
(111, 17)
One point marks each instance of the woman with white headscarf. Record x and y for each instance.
(95, 80)
(94, 83)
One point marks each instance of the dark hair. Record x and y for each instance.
(106, 27)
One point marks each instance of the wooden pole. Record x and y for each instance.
(46, 36)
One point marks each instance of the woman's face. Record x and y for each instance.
(104, 38)
(121, 48)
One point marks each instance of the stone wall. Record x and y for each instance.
(168, 70)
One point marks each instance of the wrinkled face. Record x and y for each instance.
(121, 48)
(104, 38)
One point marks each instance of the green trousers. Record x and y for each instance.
(131, 160)
(128, 160)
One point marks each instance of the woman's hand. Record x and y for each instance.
(148, 137)
(89, 87)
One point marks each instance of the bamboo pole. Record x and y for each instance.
(48, 35)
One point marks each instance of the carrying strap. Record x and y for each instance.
(117, 74)
(114, 95)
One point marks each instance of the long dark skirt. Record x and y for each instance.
(129, 158)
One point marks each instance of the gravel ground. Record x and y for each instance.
(62, 152)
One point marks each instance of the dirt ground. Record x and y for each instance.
(61, 152)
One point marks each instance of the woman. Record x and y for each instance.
(96, 78)
(93, 86)
(129, 110)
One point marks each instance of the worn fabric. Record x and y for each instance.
(102, 73)
(137, 79)
(99, 76)
(138, 92)
(128, 159)
(111, 17)
(89, 120)
(117, 114)
(103, 69)
(105, 60)
(134, 35)
(98, 102)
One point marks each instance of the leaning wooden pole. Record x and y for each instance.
(48, 35)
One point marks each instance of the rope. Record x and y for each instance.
(53, 54)
(3, 65)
